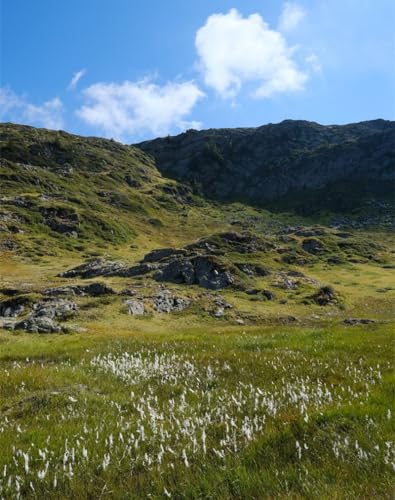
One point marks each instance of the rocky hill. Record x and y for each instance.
(294, 164)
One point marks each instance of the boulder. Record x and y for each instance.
(165, 302)
(38, 324)
(55, 308)
(135, 307)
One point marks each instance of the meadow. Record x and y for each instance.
(219, 412)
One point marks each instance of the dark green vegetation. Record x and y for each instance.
(155, 342)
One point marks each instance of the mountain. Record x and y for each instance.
(296, 165)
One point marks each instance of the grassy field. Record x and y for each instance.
(241, 412)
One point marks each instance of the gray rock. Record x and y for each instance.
(11, 308)
(92, 290)
(55, 308)
(355, 321)
(165, 302)
(163, 253)
(252, 269)
(135, 307)
(38, 324)
(219, 313)
(93, 268)
(138, 270)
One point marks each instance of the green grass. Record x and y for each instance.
(52, 398)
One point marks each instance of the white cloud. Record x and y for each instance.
(291, 16)
(314, 62)
(234, 50)
(122, 110)
(17, 109)
(76, 78)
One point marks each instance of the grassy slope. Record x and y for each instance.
(39, 374)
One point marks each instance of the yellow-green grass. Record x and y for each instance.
(49, 388)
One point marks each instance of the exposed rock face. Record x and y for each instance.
(163, 253)
(92, 290)
(195, 264)
(55, 308)
(38, 324)
(94, 268)
(288, 160)
(205, 271)
(166, 302)
(14, 307)
(45, 316)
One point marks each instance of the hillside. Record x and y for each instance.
(167, 332)
(295, 165)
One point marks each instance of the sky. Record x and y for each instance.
(137, 69)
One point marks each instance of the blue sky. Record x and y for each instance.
(136, 69)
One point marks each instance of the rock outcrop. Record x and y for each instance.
(305, 165)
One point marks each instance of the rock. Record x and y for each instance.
(240, 321)
(138, 270)
(326, 295)
(252, 291)
(205, 271)
(354, 321)
(11, 308)
(165, 302)
(135, 307)
(221, 302)
(285, 282)
(38, 324)
(55, 308)
(219, 313)
(252, 269)
(93, 268)
(92, 290)
(268, 294)
(163, 253)
(61, 219)
(313, 246)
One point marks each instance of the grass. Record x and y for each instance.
(312, 418)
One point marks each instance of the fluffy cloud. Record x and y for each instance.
(135, 108)
(76, 78)
(291, 17)
(234, 50)
(18, 109)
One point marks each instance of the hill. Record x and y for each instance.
(295, 165)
